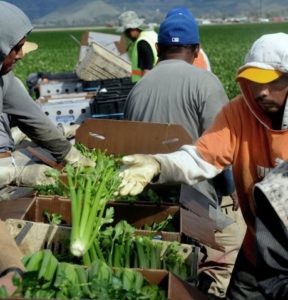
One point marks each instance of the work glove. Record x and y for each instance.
(34, 174)
(76, 159)
(17, 135)
(137, 171)
(69, 131)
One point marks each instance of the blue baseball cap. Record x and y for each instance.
(178, 29)
(179, 11)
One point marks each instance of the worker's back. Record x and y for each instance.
(176, 92)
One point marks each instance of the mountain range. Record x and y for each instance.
(98, 12)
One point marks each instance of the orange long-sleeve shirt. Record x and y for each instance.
(242, 136)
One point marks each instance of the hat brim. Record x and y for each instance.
(259, 75)
(29, 47)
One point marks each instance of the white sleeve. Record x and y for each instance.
(185, 166)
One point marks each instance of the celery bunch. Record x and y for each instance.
(89, 190)
(119, 247)
(47, 278)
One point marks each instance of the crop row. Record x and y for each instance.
(225, 45)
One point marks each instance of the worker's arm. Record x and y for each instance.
(31, 119)
(145, 56)
(10, 259)
(190, 164)
(212, 152)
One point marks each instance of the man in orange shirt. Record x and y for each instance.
(250, 133)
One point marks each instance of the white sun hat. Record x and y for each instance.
(267, 59)
(129, 19)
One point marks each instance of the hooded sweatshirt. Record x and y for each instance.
(14, 98)
(241, 135)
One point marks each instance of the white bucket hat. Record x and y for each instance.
(267, 59)
(129, 19)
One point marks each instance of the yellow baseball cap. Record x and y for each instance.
(29, 47)
(259, 75)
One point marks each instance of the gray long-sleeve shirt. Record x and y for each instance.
(18, 104)
(15, 101)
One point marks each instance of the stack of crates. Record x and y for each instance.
(61, 97)
(110, 99)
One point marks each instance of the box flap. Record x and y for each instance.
(178, 289)
(130, 137)
(181, 290)
(198, 228)
(112, 42)
(15, 208)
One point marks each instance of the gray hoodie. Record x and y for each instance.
(14, 98)
(14, 27)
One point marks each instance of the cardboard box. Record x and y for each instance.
(15, 208)
(55, 238)
(130, 137)
(137, 214)
(177, 289)
(112, 42)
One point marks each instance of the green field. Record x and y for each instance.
(225, 45)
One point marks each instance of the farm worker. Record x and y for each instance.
(17, 107)
(271, 199)
(140, 44)
(250, 133)
(10, 259)
(200, 60)
(175, 91)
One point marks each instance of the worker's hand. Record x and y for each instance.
(76, 159)
(69, 131)
(137, 171)
(35, 174)
(17, 135)
(234, 197)
(6, 281)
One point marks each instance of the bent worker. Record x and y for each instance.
(140, 44)
(17, 107)
(250, 133)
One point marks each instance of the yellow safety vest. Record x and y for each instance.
(151, 38)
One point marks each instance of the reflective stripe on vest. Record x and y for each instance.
(151, 38)
(138, 72)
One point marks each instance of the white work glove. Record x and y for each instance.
(69, 131)
(34, 174)
(76, 159)
(17, 135)
(137, 171)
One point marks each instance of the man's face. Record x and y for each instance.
(271, 97)
(132, 33)
(11, 59)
